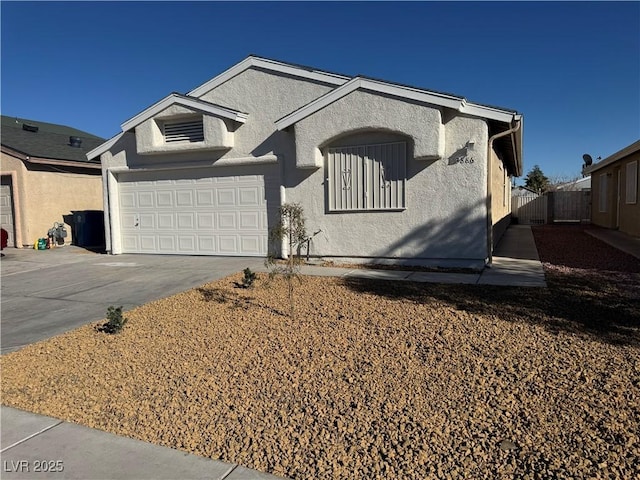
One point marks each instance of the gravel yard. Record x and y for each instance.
(373, 379)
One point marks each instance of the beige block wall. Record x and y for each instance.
(44, 197)
(500, 190)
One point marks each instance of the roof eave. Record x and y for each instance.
(625, 152)
(49, 161)
(267, 64)
(99, 150)
(458, 104)
(177, 99)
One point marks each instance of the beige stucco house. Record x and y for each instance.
(45, 178)
(614, 191)
(385, 172)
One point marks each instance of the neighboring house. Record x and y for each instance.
(614, 191)
(45, 177)
(521, 191)
(575, 185)
(386, 172)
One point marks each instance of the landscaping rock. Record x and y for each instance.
(373, 380)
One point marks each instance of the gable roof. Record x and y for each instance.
(50, 141)
(185, 101)
(499, 119)
(171, 99)
(625, 152)
(274, 65)
(401, 91)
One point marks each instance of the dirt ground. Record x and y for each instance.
(372, 379)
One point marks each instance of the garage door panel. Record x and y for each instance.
(249, 196)
(130, 243)
(166, 221)
(225, 179)
(128, 221)
(184, 198)
(128, 199)
(186, 243)
(186, 221)
(164, 199)
(148, 243)
(166, 243)
(228, 244)
(226, 197)
(251, 244)
(205, 221)
(249, 220)
(207, 243)
(147, 221)
(196, 213)
(227, 221)
(204, 198)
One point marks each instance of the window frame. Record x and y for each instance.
(366, 177)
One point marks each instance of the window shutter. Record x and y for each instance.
(367, 177)
(177, 132)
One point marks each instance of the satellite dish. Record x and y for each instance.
(587, 159)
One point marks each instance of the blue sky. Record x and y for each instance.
(572, 69)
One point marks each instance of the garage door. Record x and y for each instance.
(6, 209)
(193, 213)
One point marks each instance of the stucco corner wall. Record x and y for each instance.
(45, 196)
(359, 111)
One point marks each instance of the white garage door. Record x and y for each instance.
(193, 213)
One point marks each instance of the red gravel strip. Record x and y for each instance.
(571, 246)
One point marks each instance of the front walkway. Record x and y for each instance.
(515, 263)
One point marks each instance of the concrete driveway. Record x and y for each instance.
(45, 293)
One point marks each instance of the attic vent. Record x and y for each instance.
(29, 128)
(75, 142)
(178, 132)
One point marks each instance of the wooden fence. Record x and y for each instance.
(552, 207)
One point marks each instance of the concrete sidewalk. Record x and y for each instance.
(38, 447)
(617, 239)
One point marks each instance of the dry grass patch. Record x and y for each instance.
(373, 380)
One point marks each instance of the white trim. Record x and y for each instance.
(490, 113)
(194, 103)
(99, 150)
(251, 61)
(406, 93)
(626, 151)
(223, 162)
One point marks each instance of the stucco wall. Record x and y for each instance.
(362, 110)
(45, 196)
(445, 219)
(445, 214)
(629, 218)
(218, 135)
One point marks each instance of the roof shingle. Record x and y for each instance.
(51, 141)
